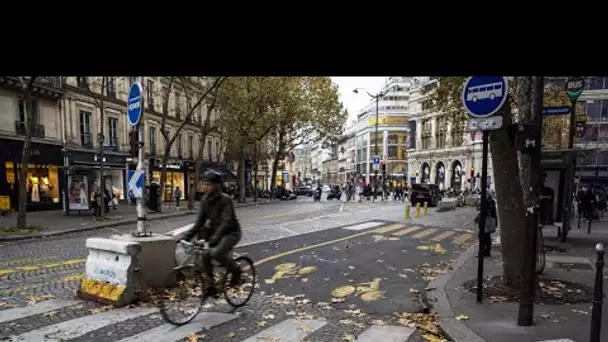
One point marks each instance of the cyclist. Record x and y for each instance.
(223, 231)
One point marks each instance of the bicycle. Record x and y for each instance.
(190, 277)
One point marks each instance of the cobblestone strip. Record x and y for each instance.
(33, 273)
(69, 283)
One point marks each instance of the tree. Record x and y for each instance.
(97, 93)
(206, 127)
(308, 109)
(512, 210)
(27, 84)
(248, 104)
(200, 88)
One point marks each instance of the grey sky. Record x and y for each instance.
(355, 102)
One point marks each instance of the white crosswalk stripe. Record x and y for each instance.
(559, 340)
(287, 330)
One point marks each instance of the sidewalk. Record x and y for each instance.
(58, 223)
(564, 311)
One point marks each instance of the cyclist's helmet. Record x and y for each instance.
(212, 176)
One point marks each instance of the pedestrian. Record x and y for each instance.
(177, 193)
(490, 224)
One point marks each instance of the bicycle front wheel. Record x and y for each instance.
(240, 295)
(540, 252)
(182, 295)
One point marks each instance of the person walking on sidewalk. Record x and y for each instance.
(491, 223)
(177, 194)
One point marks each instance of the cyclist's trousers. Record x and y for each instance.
(223, 254)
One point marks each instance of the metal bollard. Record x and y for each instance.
(407, 212)
(426, 208)
(417, 209)
(598, 295)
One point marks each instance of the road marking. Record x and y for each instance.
(29, 260)
(341, 207)
(406, 231)
(290, 330)
(364, 225)
(80, 326)
(289, 231)
(385, 333)
(37, 267)
(388, 229)
(560, 340)
(424, 233)
(36, 309)
(301, 249)
(442, 236)
(19, 289)
(462, 238)
(170, 333)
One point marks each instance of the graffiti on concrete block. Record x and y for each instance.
(105, 273)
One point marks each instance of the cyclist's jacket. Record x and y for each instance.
(219, 210)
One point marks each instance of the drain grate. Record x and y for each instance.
(572, 266)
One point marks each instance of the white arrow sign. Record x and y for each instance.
(136, 183)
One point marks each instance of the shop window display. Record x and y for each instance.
(42, 182)
(172, 180)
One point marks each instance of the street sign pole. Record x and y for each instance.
(574, 88)
(483, 97)
(135, 111)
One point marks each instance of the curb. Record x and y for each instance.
(112, 224)
(454, 329)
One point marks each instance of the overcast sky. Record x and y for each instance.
(355, 102)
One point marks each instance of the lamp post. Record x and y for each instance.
(376, 98)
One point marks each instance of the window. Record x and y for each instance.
(82, 82)
(132, 79)
(33, 110)
(111, 86)
(440, 132)
(457, 134)
(150, 94)
(593, 110)
(37, 130)
(595, 83)
(189, 108)
(426, 134)
(86, 138)
(113, 132)
(152, 133)
(218, 151)
(179, 146)
(178, 109)
(190, 147)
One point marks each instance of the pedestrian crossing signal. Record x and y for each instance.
(134, 143)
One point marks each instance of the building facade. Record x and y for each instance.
(382, 130)
(68, 120)
(347, 154)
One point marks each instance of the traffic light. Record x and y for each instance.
(472, 172)
(133, 143)
(383, 167)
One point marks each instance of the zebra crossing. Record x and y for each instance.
(458, 236)
(290, 329)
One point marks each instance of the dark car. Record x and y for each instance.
(305, 191)
(420, 193)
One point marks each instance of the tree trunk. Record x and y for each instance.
(241, 172)
(275, 163)
(198, 168)
(524, 100)
(163, 175)
(511, 209)
(25, 159)
(256, 156)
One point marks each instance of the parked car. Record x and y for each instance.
(420, 193)
(306, 190)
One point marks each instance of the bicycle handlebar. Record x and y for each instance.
(200, 243)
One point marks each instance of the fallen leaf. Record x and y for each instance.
(269, 281)
(462, 317)
(351, 267)
(343, 291)
(49, 314)
(307, 270)
(423, 248)
(305, 280)
(232, 334)
(414, 291)
(262, 324)
(380, 261)
(393, 238)
(290, 313)
(102, 309)
(269, 316)
(372, 296)
(192, 337)
(7, 305)
(378, 322)
(37, 298)
(403, 275)
(337, 300)
(348, 337)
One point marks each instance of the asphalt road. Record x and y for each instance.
(318, 263)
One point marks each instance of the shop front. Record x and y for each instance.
(45, 181)
(83, 177)
(176, 176)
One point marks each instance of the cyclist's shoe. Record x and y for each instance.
(211, 292)
(236, 279)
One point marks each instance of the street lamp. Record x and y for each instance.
(377, 98)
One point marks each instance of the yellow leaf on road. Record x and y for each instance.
(307, 270)
(343, 291)
(49, 314)
(423, 248)
(192, 337)
(462, 317)
(348, 337)
(372, 296)
(262, 324)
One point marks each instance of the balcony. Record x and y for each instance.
(112, 145)
(86, 140)
(45, 87)
(37, 129)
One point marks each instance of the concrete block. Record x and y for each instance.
(111, 272)
(179, 233)
(157, 257)
(447, 204)
(471, 201)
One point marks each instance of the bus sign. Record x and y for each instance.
(483, 96)
(574, 87)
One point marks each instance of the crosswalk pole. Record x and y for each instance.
(407, 212)
(426, 208)
(417, 209)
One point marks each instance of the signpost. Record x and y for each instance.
(574, 88)
(135, 111)
(483, 97)
(376, 163)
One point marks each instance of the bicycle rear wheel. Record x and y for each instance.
(182, 295)
(540, 251)
(240, 295)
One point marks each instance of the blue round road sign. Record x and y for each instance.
(134, 104)
(483, 96)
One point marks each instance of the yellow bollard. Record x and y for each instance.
(407, 212)
(417, 209)
(426, 208)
